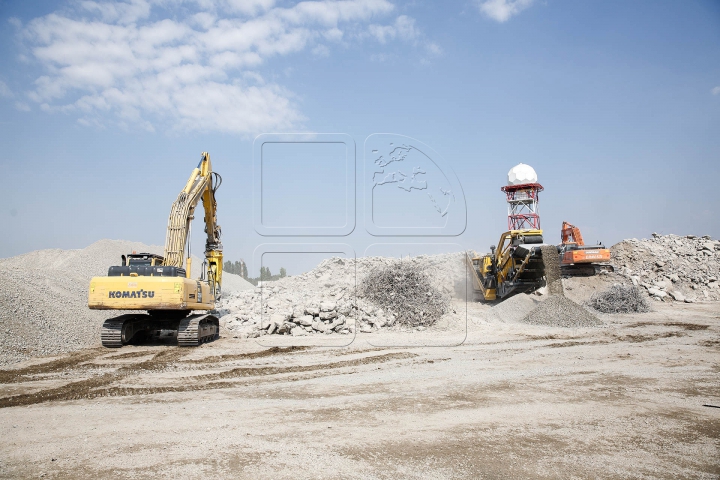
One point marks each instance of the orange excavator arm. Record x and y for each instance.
(571, 234)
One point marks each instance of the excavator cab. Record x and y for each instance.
(145, 259)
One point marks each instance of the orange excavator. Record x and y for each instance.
(578, 259)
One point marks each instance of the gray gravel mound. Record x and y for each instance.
(43, 297)
(43, 300)
(515, 308)
(232, 283)
(559, 311)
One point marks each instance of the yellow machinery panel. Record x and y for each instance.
(149, 293)
(497, 274)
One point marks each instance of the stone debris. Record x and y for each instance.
(43, 306)
(43, 301)
(514, 308)
(620, 299)
(403, 289)
(342, 295)
(671, 267)
(557, 310)
(560, 311)
(553, 277)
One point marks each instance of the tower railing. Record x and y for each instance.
(522, 203)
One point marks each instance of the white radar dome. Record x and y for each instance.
(520, 174)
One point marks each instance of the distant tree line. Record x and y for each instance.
(239, 268)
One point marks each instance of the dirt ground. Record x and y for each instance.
(513, 401)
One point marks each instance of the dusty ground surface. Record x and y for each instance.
(514, 401)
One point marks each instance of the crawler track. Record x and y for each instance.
(191, 331)
(197, 329)
(115, 331)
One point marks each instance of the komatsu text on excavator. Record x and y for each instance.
(161, 285)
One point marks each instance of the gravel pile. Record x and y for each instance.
(671, 267)
(514, 308)
(558, 310)
(43, 298)
(326, 299)
(553, 277)
(404, 290)
(620, 299)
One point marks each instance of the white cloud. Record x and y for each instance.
(121, 12)
(113, 62)
(321, 51)
(5, 90)
(502, 10)
(433, 49)
(248, 7)
(404, 28)
(716, 90)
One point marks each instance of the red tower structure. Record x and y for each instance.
(522, 203)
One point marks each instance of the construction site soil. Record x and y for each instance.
(489, 391)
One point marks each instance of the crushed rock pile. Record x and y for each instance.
(403, 289)
(557, 310)
(620, 299)
(326, 299)
(671, 267)
(43, 298)
(560, 311)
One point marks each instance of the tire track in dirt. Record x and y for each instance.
(248, 356)
(92, 387)
(78, 390)
(71, 361)
(264, 371)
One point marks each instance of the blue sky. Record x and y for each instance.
(105, 108)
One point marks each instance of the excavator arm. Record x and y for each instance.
(571, 234)
(202, 184)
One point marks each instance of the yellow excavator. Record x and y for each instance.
(515, 265)
(161, 285)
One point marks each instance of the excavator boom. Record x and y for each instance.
(571, 234)
(202, 184)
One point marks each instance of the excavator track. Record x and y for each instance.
(197, 329)
(116, 331)
(585, 269)
(136, 328)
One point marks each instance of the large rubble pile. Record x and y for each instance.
(404, 290)
(327, 299)
(671, 267)
(43, 298)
